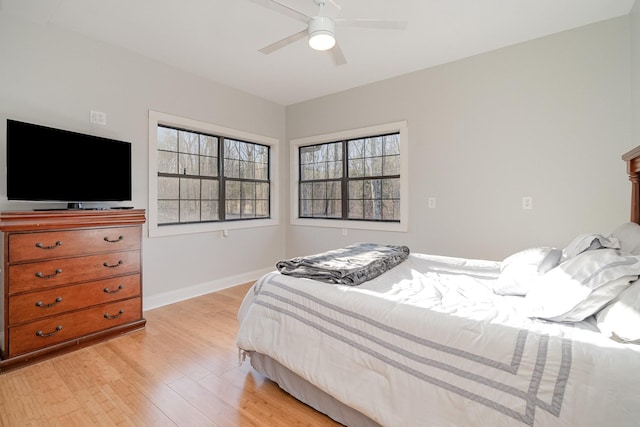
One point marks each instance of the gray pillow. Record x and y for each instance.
(628, 234)
(589, 242)
(582, 285)
(518, 271)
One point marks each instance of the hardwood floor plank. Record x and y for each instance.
(181, 370)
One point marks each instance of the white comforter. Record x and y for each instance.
(429, 344)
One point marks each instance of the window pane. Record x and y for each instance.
(335, 209)
(232, 168)
(189, 210)
(262, 171)
(189, 189)
(167, 162)
(248, 190)
(356, 168)
(391, 188)
(262, 208)
(392, 144)
(231, 149)
(356, 149)
(320, 171)
(305, 208)
(306, 155)
(356, 210)
(209, 189)
(208, 166)
(373, 209)
(248, 208)
(167, 139)
(247, 170)
(210, 210)
(334, 190)
(246, 152)
(306, 190)
(306, 172)
(232, 189)
(391, 210)
(391, 165)
(373, 166)
(188, 164)
(189, 142)
(168, 188)
(355, 190)
(168, 211)
(319, 190)
(208, 146)
(262, 191)
(334, 170)
(232, 209)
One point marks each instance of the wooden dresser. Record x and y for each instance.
(69, 278)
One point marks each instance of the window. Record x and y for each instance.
(206, 177)
(352, 179)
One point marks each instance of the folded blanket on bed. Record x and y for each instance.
(351, 265)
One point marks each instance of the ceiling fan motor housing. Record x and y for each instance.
(321, 31)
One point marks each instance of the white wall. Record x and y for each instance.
(55, 77)
(548, 118)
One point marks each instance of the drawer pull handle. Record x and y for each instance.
(108, 316)
(109, 291)
(106, 264)
(48, 276)
(41, 305)
(41, 246)
(42, 334)
(106, 239)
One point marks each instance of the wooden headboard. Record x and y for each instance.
(633, 169)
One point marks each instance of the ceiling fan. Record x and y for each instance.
(321, 28)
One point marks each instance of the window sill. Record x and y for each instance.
(355, 225)
(178, 229)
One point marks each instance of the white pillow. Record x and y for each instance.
(588, 242)
(620, 319)
(628, 235)
(519, 270)
(580, 286)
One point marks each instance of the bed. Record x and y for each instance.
(545, 337)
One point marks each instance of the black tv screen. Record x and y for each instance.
(48, 164)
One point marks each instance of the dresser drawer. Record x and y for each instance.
(35, 305)
(56, 244)
(45, 274)
(66, 327)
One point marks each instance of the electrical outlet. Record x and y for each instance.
(527, 203)
(98, 117)
(431, 202)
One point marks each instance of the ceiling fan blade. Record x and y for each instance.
(284, 42)
(382, 24)
(284, 9)
(337, 55)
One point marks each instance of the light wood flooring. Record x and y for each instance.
(181, 370)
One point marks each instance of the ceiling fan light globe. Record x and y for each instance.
(322, 33)
(322, 41)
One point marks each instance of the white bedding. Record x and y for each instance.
(429, 343)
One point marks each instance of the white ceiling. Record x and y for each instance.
(220, 39)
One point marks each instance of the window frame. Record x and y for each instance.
(163, 119)
(296, 144)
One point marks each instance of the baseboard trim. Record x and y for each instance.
(166, 298)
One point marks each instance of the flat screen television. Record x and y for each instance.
(48, 164)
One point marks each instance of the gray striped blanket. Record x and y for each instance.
(350, 265)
